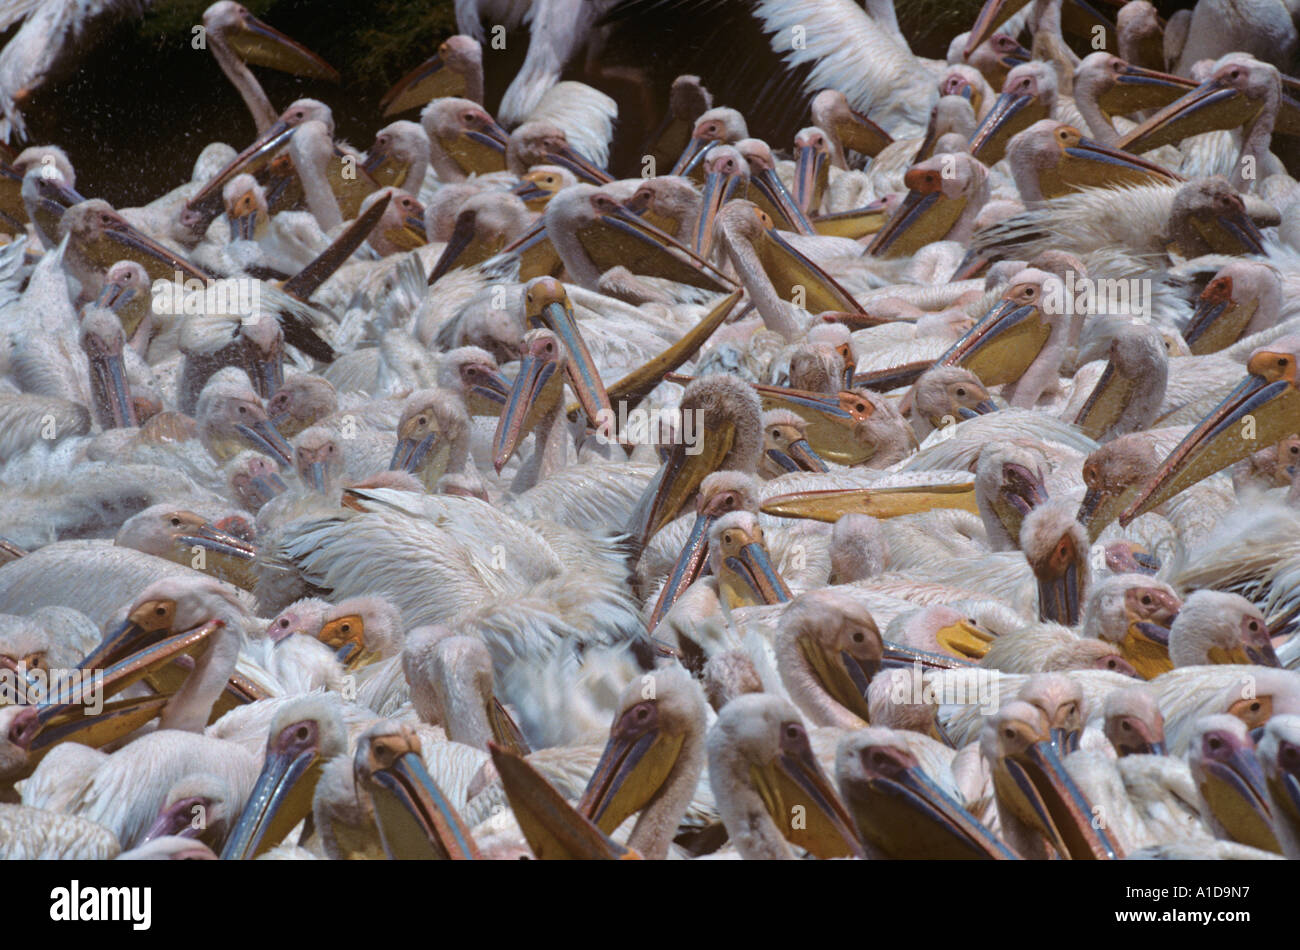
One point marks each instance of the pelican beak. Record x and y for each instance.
(251, 160)
(621, 237)
(263, 436)
(809, 178)
(1245, 655)
(505, 731)
(773, 198)
(830, 505)
(843, 675)
(411, 233)
(639, 383)
(214, 539)
(261, 45)
(1217, 322)
(1099, 412)
(529, 191)
(686, 569)
(465, 248)
(431, 80)
(265, 487)
(1233, 785)
(1284, 784)
(535, 391)
(1211, 106)
(1261, 411)
(1058, 589)
(1088, 164)
(1010, 114)
(1137, 89)
(925, 215)
(547, 305)
(122, 241)
(904, 815)
(1146, 647)
(554, 830)
(991, 16)
(747, 576)
(679, 478)
(266, 370)
(108, 379)
(570, 158)
(854, 224)
(692, 156)
(305, 283)
(130, 657)
(423, 454)
(719, 188)
(794, 779)
(637, 760)
(798, 456)
(1002, 345)
(789, 268)
(831, 420)
(281, 796)
(415, 819)
(965, 639)
(535, 253)
(1046, 796)
(862, 135)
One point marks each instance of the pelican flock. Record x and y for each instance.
(921, 483)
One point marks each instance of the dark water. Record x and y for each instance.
(136, 104)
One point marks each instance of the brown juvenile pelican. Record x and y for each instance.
(455, 70)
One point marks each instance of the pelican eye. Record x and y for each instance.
(1146, 599)
(301, 734)
(284, 621)
(346, 628)
(961, 390)
(160, 611)
(859, 637)
(1124, 724)
(176, 522)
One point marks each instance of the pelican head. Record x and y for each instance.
(656, 744)
(1128, 395)
(1051, 158)
(401, 226)
(432, 436)
(1210, 217)
(845, 126)
(1260, 411)
(1218, 627)
(1134, 724)
(542, 143)
(728, 416)
(1008, 486)
(1056, 546)
(301, 401)
(726, 175)
(1033, 787)
(720, 124)
(102, 340)
(1118, 87)
(833, 638)
(200, 793)
(464, 139)
(1244, 297)
(741, 562)
(255, 42)
(254, 479)
(785, 449)
(669, 202)
(900, 811)
(944, 191)
(1008, 339)
(126, 293)
(485, 224)
(173, 533)
(759, 756)
(455, 70)
(1238, 91)
(306, 732)
(719, 493)
(99, 237)
(945, 395)
(1134, 612)
(230, 419)
(541, 183)
(1230, 780)
(995, 57)
(1028, 95)
(1111, 475)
